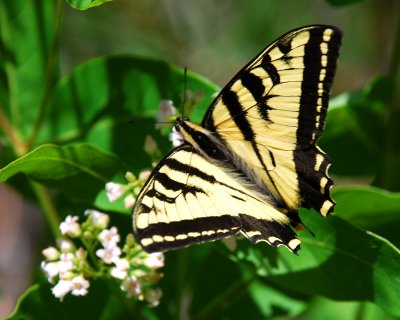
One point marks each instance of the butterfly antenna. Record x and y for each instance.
(147, 122)
(137, 121)
(184, 91)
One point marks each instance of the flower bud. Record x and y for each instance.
(51, 254)
(129, 201)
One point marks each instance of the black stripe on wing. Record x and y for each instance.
(178, 234)
(272, 232)
(307, 133)
(311, 163)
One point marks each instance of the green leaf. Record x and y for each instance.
(26, 37)
(370, 208)
(355, 122)
(278, 302)
(321, 308)
(342, 263)
(86, 4)
(97, 101)
(367, 205)
(80, 171)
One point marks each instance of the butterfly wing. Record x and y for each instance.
(183, 204)
(273, 111)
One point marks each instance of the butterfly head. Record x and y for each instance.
(199, 137)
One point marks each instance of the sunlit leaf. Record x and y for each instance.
(370, 208)
(80, 171)
(86, 4)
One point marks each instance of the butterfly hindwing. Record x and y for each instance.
(273, 111)
(181, 204)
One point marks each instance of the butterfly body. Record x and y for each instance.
(254, 160)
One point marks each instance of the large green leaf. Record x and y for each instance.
(342, 263)
(370, 208)
(27, 31)
(97, 101)
(80, 171)
(367, 205)
(86, 4)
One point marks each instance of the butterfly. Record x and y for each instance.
(253, 161)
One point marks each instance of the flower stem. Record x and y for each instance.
(47, 206)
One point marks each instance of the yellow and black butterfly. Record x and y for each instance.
(253, 161)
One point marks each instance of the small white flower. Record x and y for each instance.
(99, 219)
(62, 288)
(129, 201)
(154, 260)
(51, 270)
(166, 111)
(66, 262)
(131, 286)
(153, 296)
(120, 271)
(176, 138)
(70, 226)
(109, 254)
(109, 237)
(51, 253)
(66, 245)
(150, 145)
(79, 286)
(114, 190)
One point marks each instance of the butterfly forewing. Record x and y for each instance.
(181, 204)
(273, 111)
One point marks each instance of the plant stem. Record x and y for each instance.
(47, 206)
(18, 145)
(50, 73)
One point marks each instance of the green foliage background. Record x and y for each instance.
(71, 80)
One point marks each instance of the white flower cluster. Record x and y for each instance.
(66, 265)
(70, 268)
